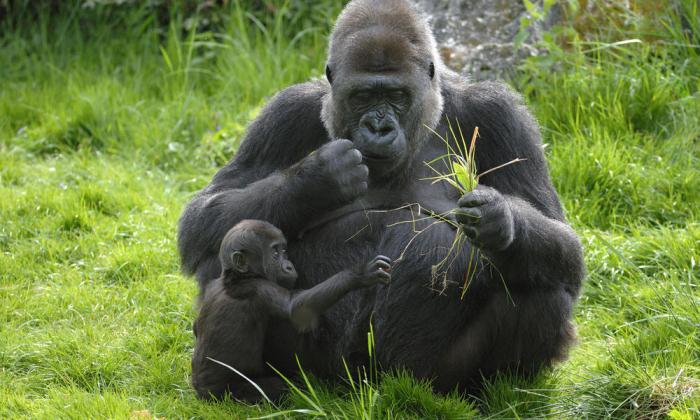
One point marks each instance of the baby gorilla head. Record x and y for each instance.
(256, 249)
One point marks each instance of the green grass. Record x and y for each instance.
(105, 134)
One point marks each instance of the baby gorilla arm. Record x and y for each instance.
(308, 305)
(304, 307)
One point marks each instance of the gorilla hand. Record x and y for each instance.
(338, 170)
(486, 218)
(375, 272)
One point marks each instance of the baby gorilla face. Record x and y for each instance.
(257, 249)
(275, 263)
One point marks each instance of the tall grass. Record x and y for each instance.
(463, 175)
(169, 94)
(107, 126)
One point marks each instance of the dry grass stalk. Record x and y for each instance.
(464, 176)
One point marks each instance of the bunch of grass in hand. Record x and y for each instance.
(464, 176)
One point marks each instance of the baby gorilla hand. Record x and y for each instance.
(338, 164)
(486, 218)
(375, 272)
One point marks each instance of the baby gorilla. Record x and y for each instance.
(254, 286)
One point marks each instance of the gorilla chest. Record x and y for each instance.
(338, 244)
(353, 239)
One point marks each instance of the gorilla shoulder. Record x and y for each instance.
(507, 130)
(289, 123)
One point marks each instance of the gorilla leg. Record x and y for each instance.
(274, 387)
(523, 332)
(240, 389)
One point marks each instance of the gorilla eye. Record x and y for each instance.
(329, 75)
(431, 70)
(362, 97)
(397, 95)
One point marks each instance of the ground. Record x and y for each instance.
(104, 138)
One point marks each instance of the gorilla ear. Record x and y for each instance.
(431, 70)
(329, 75)
(239, 261)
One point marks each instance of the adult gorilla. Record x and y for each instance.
(322, 152)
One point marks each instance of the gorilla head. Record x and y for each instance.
(384, 84)
(256, 249)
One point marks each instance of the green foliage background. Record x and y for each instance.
(113, 115)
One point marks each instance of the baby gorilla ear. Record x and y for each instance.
(431, 70)
(239, 261)
(329, 75)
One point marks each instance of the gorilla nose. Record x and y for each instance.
(288, 268)
(378, 128)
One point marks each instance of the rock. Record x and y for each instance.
(477, 37)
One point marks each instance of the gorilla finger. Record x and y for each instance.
(471, 232)
(383, 258)
(382, 273)
(382, 265)
(468, 216)
(360, 172)
(336, 147)
(350, 157)
(362, 187)
(474, 198)
(343, 145)
(491, 229)
(499, 233)
(355, 156)
(485, 188)
(365, 169)
(382, 276)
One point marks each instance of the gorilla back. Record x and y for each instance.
(335, 163)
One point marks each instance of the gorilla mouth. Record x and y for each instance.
(374, 156)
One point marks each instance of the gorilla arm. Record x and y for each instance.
(274, 177)
(528, 248)
(308, 305)
(304, 307)
(515, 216)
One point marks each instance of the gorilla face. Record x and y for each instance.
(384, 87)
(256, 249)
(377, 107)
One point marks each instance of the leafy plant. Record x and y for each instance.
(464, 177)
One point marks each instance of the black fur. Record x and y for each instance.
(250, 296)
(516, 312)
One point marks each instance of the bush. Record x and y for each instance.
(186, 14)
